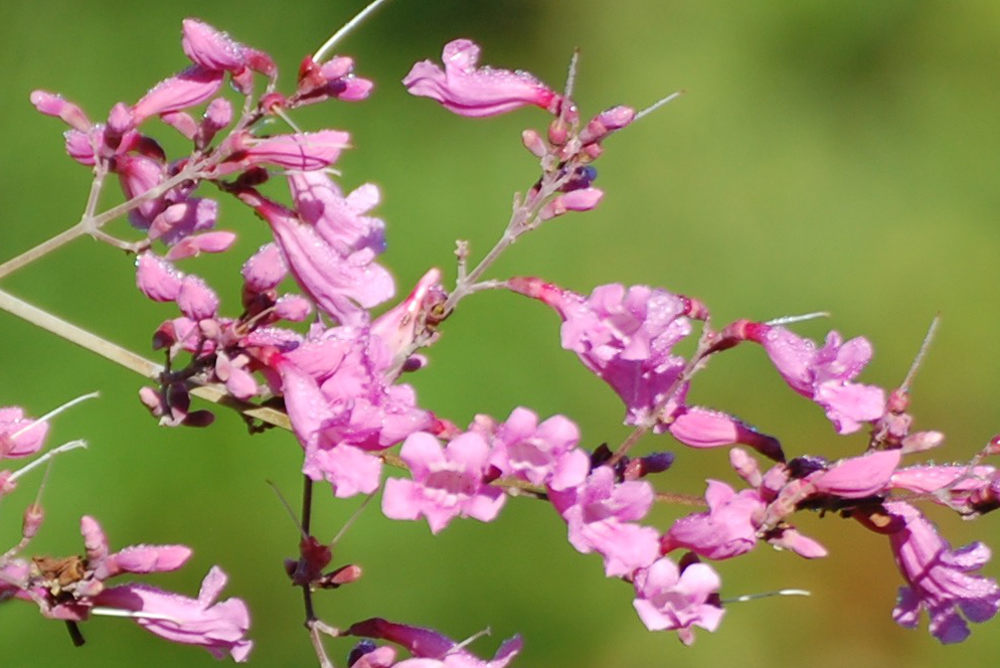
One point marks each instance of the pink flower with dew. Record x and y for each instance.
(306, 151)
(52, 104)
(624, 335)
(823, 374)
(431, 649)
(542, 454)
(464, 89)
(218, 626)
(265, 269)
(341, 282)
(728, 529)
(857, 477)
(179, 220)
(196, 300)
(216, 51)
(967, 489)
(194, 245)
(447, 482)
(668, 598)
(939, 579)
(704, 428)
(600, 515)
(191, 87)
(20, 436)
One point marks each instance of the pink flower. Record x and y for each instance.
(823, 374)
(306, 151)
(217, 52)
(429, 648)
(668, 598)
(624, 335)
(939, 578)
(857, 477)
(52, 104)
(20, 436)
(542, 454)
(343, 281)
(191, 87)
(219, 627)
(465, 90)
(447, 483)
(967, 489)
(600, 515)
(728, 529)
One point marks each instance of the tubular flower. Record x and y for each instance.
(940, 579)
(668, 598)
(464, 89)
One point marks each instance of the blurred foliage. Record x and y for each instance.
(827, 156)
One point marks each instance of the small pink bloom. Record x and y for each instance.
(265, 269)
(20, 436)
(307, 151)
(857, 477)
(607, 122)
(624, 335)
(465, 90)
(940, 579)
(191, 87)
(400, 326)
(447, 483)
(52, 104)
(823, 374)
(157, 278)
(728, 529)
(967, 489)
(600, 515)
(138, 174)
(670, 599)
(705, 428)
(196, 300)
(208, 47)
(219, 627)
(211, 242)
(542, 454)
(184, 218)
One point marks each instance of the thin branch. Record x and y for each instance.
(345, 30)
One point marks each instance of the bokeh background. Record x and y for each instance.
(826, 156)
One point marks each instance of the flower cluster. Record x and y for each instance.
(321, 352)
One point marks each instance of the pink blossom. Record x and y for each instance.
(216, 51)
(728, 529)
(183, 218)
(20, 436)
(625, 336)
(600, 515)
(265, 269)
(668, 598)
(465, 90)
(194, 245)
(429, 648)
(219, 627)
(139, 174)
(400, 327)
(191, 87)
(542, 454)
(196, 300)
(52, 104)
(334, 78)
(704, 428)
(857, 477)
(341, 281)
(966, 488)
(447, 483)
(157, 278)
(823, 374)
(939, 578)
(305, 151)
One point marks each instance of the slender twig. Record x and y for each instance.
(919, 359)
(130, 360)
(345, 30)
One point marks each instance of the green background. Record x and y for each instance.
(827, 156)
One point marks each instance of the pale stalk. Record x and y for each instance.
(130, 360)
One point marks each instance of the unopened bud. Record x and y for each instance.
(534, 143)
(32, 521)
(921, 441)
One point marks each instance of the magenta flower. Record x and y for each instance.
(728, 529)
(542, 454)
(217, 52)
(939, 578)
(447, 482)
(429, 648)
(824, 374)
(967, 489)
(341, 280)
(600, 515)
(668, 598)
(191, 87)
(20, 436)
(465, 90)
(220, 627)
(857, 477)
(624, 335)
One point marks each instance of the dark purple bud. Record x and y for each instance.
(363, 647)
